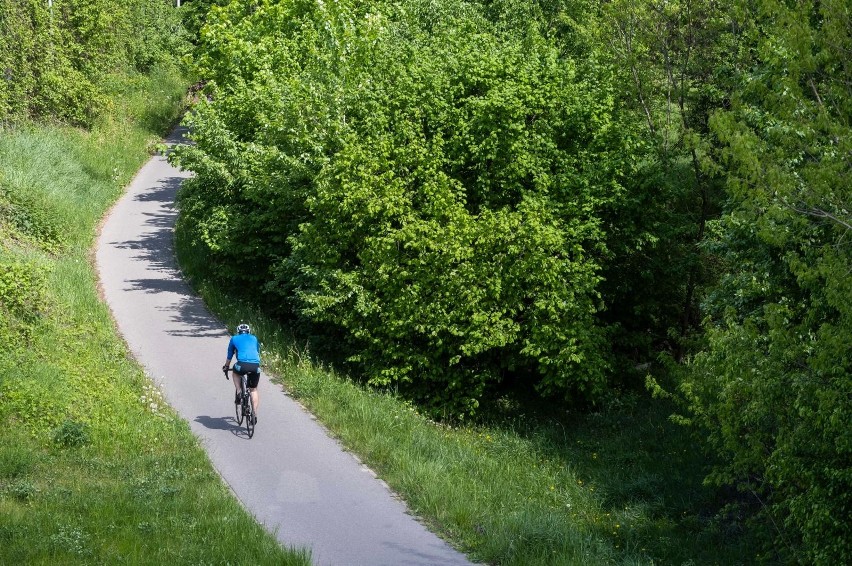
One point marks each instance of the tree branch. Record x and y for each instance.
(820, 213)
(816, 93)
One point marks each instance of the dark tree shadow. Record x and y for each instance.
(156, 249)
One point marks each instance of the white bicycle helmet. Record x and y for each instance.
(243, 329)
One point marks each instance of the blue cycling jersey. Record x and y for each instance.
(246, 347)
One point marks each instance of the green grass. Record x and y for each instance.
(94, 467)
(618, 486)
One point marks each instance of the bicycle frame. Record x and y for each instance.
(245, 408)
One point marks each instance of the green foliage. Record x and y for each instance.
(29, 218)
(42, 78)
(22, 490)
(448, 235)
(674, 62)
(773, 387)
(35, 396)
(56, 60)
(470, 193)
(15, 461)
(72, 433)
(194, 14)
(23, 299)
(423, 180)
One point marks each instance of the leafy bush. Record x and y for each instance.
(22, 298)
(22, 490)
(194, 14)
(27, 218)
(71, 433)
(421, 179)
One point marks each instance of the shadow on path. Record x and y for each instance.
(216, 423)
(156, 249)
(222, 423)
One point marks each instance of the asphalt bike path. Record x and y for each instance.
(295, 479)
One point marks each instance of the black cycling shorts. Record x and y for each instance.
(251, 370)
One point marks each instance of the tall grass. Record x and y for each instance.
(94, 467)
(525, 486)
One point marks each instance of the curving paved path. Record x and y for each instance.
(307, 491)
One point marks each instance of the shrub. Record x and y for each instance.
(425, 182)
(22, 297)
(71, 433)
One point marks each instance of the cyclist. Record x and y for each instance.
(245, 346)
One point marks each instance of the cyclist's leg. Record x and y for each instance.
(253, 382)
(237, 387)
(255, 398)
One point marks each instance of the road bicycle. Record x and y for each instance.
(245, 408)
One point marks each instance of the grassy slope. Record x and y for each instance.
(93, 467)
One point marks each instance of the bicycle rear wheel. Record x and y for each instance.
(250, 418)
(238, 409)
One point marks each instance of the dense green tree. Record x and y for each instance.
(773, 388)
(194, 14)
(463, 192)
